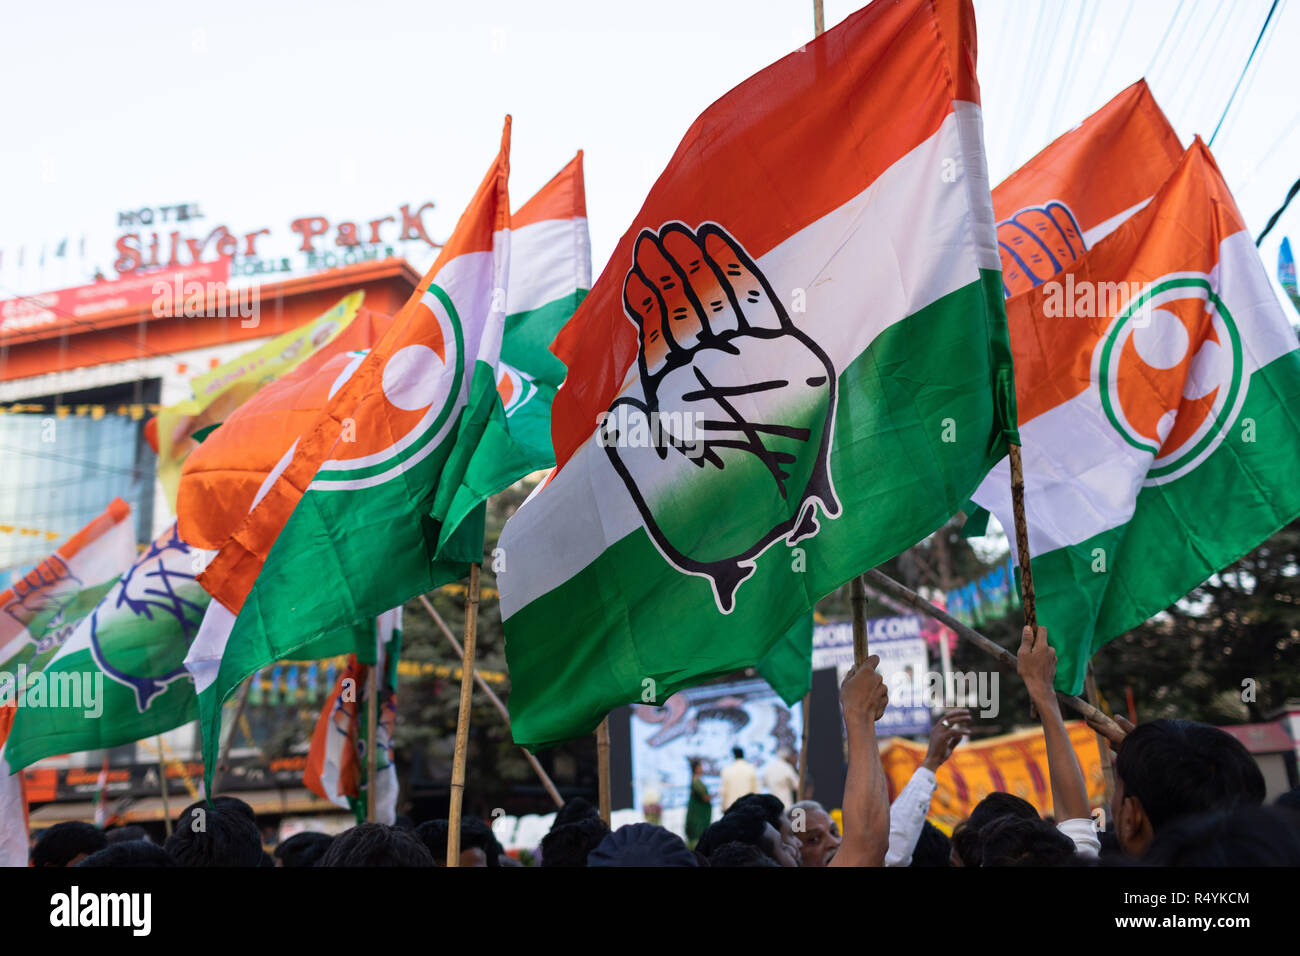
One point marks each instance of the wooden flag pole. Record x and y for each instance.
(162, 789)
(1022, 538)
(1103, 745)
(602, 768)
(372, 723)
(858, 604)
(1022, 547)
(803, 746)
(819, 19)
(486, 688)
(462, 719)
(223, 759)
(901, 593)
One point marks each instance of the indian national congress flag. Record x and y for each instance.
(794, 367)
(126, 657)
(1158, 387)
(377, 500)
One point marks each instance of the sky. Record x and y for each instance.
(262, 112)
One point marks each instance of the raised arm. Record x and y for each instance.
(863, 696)
(1036, 664)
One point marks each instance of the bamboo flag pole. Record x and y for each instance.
(372, 724)
(602, 768)
(819, 20)
(486, 688)
(897, 591)
(462, 719)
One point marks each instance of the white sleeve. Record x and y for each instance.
(1084, 834)
(907, 817)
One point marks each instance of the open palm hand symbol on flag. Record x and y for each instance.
(1037, 243)
(727, 451)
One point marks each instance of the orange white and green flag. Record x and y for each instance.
(377, 500)
(1158, 389)
(220, 391)
(794, 367)
(1082, 187)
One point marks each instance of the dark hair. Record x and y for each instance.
(1180, 767)
(222, 834)
(477, 834)
(127, 833)
(234, 805)
(1015, 841)
(303, 849)
(966, 838)
(125, 853)
(933, 848)
(1239, 836)
(740, 854)
(63, 841)
(770, 806)
(744, 826)
(641, 845)
(695, 763)
(376, 844)
(1289, 800)
(573, 811)
(738, 753)
(433, 834)
(569, 845)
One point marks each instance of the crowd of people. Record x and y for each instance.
(1186, 794)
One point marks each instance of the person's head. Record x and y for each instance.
(64, 844)
(933, 848)
(302, 849)
(1289, 800)
(738, 753)
(1015, 841)
(749, 824)
(789, 756)
(641, 844)
(127, 834)
(967, 837)
(234, 805)
(697, 767)
(1239, 836)
(570, 844)
(1167, 769)
(740, 854)
(773, 810)
(129, 853)
(223, 834)
(376, 844)
(573, 811)
(815, 828)
(768, 805)
(433, 834)
(478, 844)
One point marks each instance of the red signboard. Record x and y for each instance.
(65, 310)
